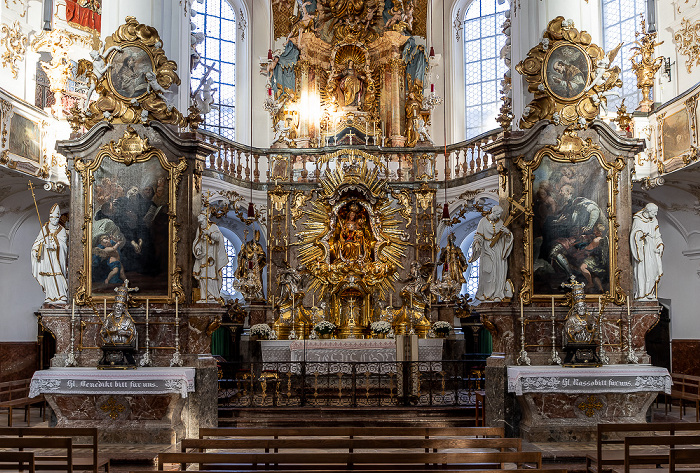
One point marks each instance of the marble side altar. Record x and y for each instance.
(159, 405)
(564, 404)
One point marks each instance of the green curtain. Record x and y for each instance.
(485, 341)
(221, 342)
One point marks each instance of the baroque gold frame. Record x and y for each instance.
(571, 149)
(128, 150)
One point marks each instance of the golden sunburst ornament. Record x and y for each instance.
(352, 240)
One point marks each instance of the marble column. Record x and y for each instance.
(397, 68)
(303, 68)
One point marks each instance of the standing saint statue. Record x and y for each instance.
(453, 266)
(493, 243)
(49, 253)
(251, 261)
(210, 258)
(647, 249)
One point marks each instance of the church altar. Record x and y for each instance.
(336, 355)
(559, 404)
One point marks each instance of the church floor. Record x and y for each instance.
(569, 455)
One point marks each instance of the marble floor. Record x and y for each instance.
(569, 455)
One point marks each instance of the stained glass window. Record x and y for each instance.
(472, 275)
(483, 66)
(228, 270)
(621, 19)
(217, 19)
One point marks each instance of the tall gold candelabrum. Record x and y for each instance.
(647, 67)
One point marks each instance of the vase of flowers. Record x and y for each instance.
(262, 332)
(442, 328)
(380, 329)
(324, 329)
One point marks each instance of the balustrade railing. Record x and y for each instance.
(349, 384)
(261, 165)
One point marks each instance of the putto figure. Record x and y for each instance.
(49, 253)
(493, 243)
(647, 249)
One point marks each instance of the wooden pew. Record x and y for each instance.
(655, 452)
(343, 461)
(612, 435)
(686, 387)
(62, 461)
(450, 470)
(85, 444)
(19, 461)
(684, 456)
(16, 394)
(351, 432)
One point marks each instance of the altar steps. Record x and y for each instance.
(347, 417)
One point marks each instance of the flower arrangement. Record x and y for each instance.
(324, 327)
(381, 326)
(442, 328)
(262, 331)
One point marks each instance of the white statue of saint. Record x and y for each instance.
(647, 249)
(210, 258)
(49, 253)
(493, 243)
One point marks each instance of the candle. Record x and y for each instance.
(313, 300)
(552, 306)
(391, 300)
(72, 312)
(176, 301)
(146, 310)
(600, 304)
(105, 307)
(628, 307)
(521, 308)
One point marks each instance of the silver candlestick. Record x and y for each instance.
(70, 359)
(146, 358)
(555, 359)
(631, 355)
(523, 359)
(176, 360)
(602, 356)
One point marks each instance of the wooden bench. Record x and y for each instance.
(351, 432)
(684, 456)
(61, 459)
(613, 435)
(451, 470)
(653, 450)
(343, 461)
(686, 388)
(19, 461)
(85, 444)
(16, 394)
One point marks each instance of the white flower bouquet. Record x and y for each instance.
(324, 327)
(381, 326)
(441, 327)
(262, 331)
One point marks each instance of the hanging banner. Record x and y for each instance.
(85, 14)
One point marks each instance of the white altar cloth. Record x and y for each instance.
(93, 381)
(604, 379)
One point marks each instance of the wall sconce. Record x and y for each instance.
(666, 71)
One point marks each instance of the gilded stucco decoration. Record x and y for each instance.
(647, 66)
(132, 77)
(688, 43)
(351, 236)
(569, 76)
(15, 44)
(547, 163)
(129, 150)
(299, 201)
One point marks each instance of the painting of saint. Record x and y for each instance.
(570, 226)
(567, 72)
(128, 72)
(676, 135)
(24, 138)
(352, 239)
(130, 238)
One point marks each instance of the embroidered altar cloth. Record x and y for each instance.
(151, 380)
(604, 379)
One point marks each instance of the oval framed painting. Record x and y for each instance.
(127, 74)
(567, 72)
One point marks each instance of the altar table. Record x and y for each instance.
(94, 381)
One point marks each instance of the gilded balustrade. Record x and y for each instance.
(257, 165)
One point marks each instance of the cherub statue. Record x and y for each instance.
(422, 130)
(417, 286)
(282, 133)
(95, 70)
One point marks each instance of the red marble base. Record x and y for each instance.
(18, 360)
(684, 357)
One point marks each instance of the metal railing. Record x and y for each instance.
(349, 384)
(260, 165)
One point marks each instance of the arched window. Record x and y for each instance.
(217, 20)
(228, 270)
(472, 275)
(621, 19)
(483, 67)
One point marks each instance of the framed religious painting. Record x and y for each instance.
(130, 194)
(24, 138)
(678, 136)
(573, 229)
(127, 76)
(566, 71)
